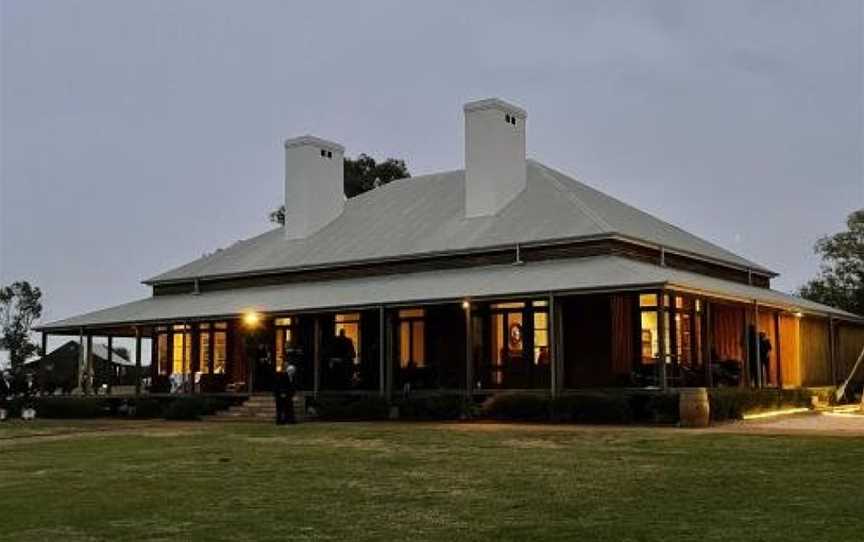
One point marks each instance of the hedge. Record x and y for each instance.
(734, 403)
(351, 408)
(450, 406)
(171, 408)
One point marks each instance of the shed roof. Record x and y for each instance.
(540, 278)
(426, 215)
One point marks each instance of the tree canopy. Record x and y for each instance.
(841, 280)
(20, 306)
(361, 175)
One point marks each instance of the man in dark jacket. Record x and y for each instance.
(283, 392)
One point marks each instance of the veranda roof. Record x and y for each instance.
(601, 273)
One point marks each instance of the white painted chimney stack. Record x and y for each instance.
(494, 155)
(314, 184)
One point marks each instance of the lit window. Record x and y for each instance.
(284, 340)
(220, 342)
(648, 300)
(182, 353)
(650, 337)
(204, 351)
(541, 338)
(412, 338)
(349, 322)
(511, 305)
(542, 303)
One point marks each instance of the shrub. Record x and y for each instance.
(592, 408)
(71, 407)
(357, 407)
(185, 408)
(516, 406)
(148, 408)
(432, 407)
(654, 406)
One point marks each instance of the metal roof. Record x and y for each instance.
(426, 215)
(540, 278)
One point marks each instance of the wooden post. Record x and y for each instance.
(388, 355)
(556, 350)
(746, 368)
(316, 356)
(469, 351)
(756, 341)
(82, 360)
(707, 351)
(91, 377)
(382, 352)
(138, 361)
(110, 362)
(831, 352)
(777, 354)
(661, 330)
(44, 351)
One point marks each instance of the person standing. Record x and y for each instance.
(764, 355)
(283, 392)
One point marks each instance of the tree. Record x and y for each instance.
(20, 306)
(841, 280)
(361, 175)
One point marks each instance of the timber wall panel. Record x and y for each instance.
(850, 341)
(789, 351)
(727, 332)
(815, 356)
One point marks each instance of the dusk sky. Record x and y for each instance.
(137, 136)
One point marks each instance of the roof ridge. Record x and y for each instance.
(559, 186)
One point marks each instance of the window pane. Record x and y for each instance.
(162, 353)
(543, 303)
(283, 321)
(648, 300)
(650, 338)
(220, 340)
(540, 323)
(204, 353)
(511, 305)
(404, 344)
(182, 353)
(280, 350)
(204, 326)
(417, 343)
(348, 317)
(221, 325)
(412, 313)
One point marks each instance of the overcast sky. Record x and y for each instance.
(138, 135)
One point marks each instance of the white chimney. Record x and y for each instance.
(494, 155)
(314, 184)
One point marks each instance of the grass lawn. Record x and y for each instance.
(383, 481)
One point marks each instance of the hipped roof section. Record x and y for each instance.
(426, 216)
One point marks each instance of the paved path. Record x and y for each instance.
(811, 423)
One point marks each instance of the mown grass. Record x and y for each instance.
(387, 481)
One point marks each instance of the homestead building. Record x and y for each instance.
(504, 275)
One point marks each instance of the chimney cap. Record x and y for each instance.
(496, 103)
(312, 141)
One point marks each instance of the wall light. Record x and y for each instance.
(251, 319)
(799, 314)
(466, 304)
